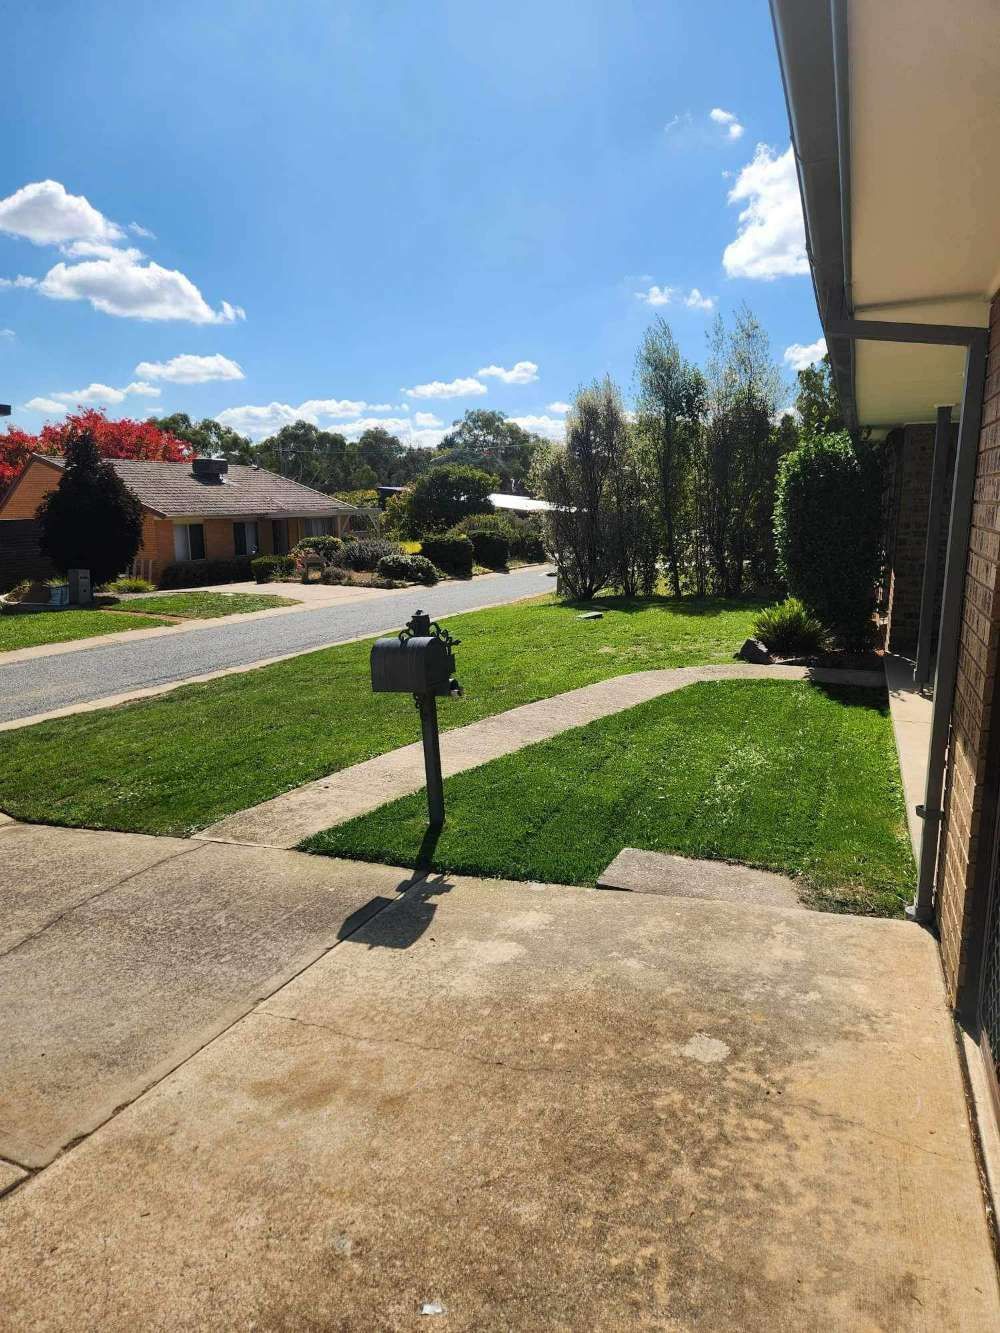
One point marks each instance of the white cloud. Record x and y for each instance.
(189, 369)
(46, 214)
(382, 407)
(770, 242)
(524, 372)
(676, 296)
(677, 122)
(801, 355)
(561, 408)
(20, 281)
(331, 407)
(122, 285)
(137, 230)
(264, 419)
(733, 128)
(550, 428)
(460, 388)
(426, 419)
(7, 333)
(104, 394)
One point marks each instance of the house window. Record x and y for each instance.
(317, 527)
(245, 538)
(189, 541)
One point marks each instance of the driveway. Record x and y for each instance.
(62, 680)
(256, 1090)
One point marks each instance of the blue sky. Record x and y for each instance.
(347, 201)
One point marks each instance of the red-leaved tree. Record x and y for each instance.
(114, 439)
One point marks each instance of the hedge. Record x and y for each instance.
(364, 554)
(491, 549)
(268, 567)
(326, 546)
(454, 556)
(194, 573)
(523, 532)
(411, 568)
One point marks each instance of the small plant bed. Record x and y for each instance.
(790, 777)
(42, 627)
(175, 763)
(204, 605)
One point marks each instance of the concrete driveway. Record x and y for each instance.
(537, 1106)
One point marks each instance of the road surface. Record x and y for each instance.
(63, 680)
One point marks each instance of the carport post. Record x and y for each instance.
(939, 469)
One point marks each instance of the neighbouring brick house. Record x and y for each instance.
(202, 510)
(895, 119)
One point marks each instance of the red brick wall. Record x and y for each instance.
(913, 456)
(32, 485)
(965, 847)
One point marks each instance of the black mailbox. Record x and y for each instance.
(423, 664)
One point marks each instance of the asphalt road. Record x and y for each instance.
(45, 683)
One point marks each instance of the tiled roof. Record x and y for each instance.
(173, 490)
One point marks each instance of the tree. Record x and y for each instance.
(742, 450)
(577, 484)
(91, 520)
(671, 403)
(322, 459)
(817, 401)
(445, 494)
(113, 439)
(208, 437)
(487, 439)
(827, 525)
(392, 462)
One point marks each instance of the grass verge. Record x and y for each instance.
(205, 605)
(178, 762)
(791, 777)
(31, 629)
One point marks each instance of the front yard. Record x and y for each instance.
(796, 778)
(181, 761)
(35, 628)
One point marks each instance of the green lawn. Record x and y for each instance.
(792, 777)
(32, 628)
(205, 605)
(178, 762)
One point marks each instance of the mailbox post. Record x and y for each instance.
(420, 661)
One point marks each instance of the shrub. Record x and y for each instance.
(789, 630)
(194, 573)
(410, 568)
(453, 555)
(129, 585)
(333, 575)
(326, 546)
(524, 532)
(268, 567)
(365, 553)
(827, 520)
(445, 494)
(491, 549)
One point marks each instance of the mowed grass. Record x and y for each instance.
(31, 629)
(205, 605)
(792, 777)
(178, 762)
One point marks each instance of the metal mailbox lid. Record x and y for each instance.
(413, 666)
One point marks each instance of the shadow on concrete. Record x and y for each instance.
(402, 928)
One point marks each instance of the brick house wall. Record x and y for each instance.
(20, 555)
(971, 775)
(30, 488)
(911, 456)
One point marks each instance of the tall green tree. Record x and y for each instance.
(817, 401)
(670, 407)
(209, 437)
(445, 494)
(91, 520)
(393, 462)
(488, 439)
(322, 459)
(743, 447)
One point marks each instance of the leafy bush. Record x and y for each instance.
(491, 549)
(827, 521)
(409, 568)
(194, 573)
(445, 494)
(365, 553)
(334, 575)
(524, 532)
(453, 555)
(326, 546)
(129, 585)
(789, 630)
(268, 567)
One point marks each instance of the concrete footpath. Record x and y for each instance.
(243, 1088)
(284, 821)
